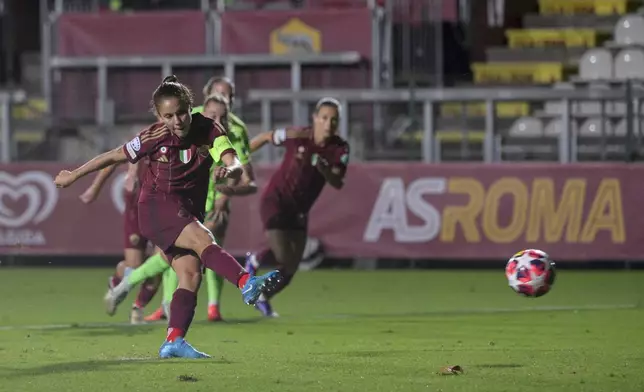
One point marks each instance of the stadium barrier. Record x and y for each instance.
(578, 212)
(492, 141)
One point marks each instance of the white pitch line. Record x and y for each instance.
(457, 312)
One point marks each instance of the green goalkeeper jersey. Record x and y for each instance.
(238, 136)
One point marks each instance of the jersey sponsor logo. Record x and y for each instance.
(163, 159)
(26, 200)
(133, 146)
(185, 155)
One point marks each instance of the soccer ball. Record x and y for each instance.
(530, 273)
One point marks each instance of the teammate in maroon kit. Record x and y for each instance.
(135, 244)
(314, 156)
(171, 203)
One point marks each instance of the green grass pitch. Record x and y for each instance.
(339, 331)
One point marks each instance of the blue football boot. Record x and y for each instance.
(257, 285)
(180, 349)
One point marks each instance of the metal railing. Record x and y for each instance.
(431, 98)
(7, 100)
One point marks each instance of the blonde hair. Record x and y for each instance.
(218, 98)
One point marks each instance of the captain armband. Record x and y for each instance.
(279, 136)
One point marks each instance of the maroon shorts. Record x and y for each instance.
(132, 237)
(162, 217)
(275, 216)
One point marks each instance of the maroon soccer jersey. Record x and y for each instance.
(298, 183)
(177, 166)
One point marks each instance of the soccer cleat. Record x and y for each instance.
(158, 314)
(265, 308)
(180, 349)
(115, 296)
(136, 316)
(257, 285)
(214, 314)
(251, 264)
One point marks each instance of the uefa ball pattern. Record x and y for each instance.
(530, 273)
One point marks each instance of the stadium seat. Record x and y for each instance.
(596, 64)
(556, 126)
(621, 128)
(629, 30)
(629, 64)
(593, 127)
(526, 127)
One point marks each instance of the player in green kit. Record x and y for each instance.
(217, 205)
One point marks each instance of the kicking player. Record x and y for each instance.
(181, 149)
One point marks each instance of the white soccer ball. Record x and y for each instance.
(530, 273)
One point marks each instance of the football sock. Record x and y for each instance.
(220, 261)
(215, 284)
(266, 257)
(146, 293)
(286, 279)
(170, 283)
(182, 311)
(152, 267)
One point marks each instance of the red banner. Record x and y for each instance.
(139, 34)
(451, 211)
(300, 31)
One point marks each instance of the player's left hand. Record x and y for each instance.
(64, 179)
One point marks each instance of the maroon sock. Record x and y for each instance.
(115, 280)
(220, 261)
(182, 311)
(146, 293)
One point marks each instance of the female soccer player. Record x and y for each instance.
(218, 202)
(314, 156)
(135, 244)
(181, 149)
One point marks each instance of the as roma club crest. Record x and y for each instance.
(185, 155)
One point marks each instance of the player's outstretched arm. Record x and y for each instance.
(66, 178)
(276, 137)
(232, 169)
(91, 193)
(244, 186)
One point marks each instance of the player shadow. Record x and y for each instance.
(109, 365)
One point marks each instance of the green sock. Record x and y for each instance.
(152, 267)
(215, 284)
(170, 283)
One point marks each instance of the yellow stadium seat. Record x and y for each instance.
(572, 7)
(518, 73)
(477, 109)
(571, 38)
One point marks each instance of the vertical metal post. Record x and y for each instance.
(267, 125)
(564, 137)
(229, 70)
(437, 21)
(216, 31)
(630, 140)
(387, 51)
(376, 64)
(490, 125)
(296, 86)
(59, 6)
(45, 55)
(344, 119)
(102, 105)
(166, 70)
(428, 141)
(5, 128)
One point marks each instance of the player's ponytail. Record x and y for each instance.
(170, 79)
(170, 87)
